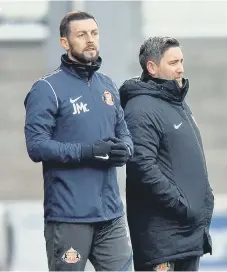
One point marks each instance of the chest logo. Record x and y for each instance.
(78, 107)
(177, 126)
(108, 98)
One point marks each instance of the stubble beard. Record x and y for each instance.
(86, 57)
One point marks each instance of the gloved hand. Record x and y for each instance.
(119, 153)
(97, 151)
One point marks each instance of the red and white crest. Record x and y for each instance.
(71, 256)
(108, 98)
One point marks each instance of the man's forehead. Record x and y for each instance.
(83, 25)
(173, 53)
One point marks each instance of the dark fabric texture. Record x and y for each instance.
(187, 264)
(100, 148)
(73, 107)
(119, 153)
(169, 198)
(105, 244)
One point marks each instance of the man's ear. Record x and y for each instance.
(64, 43)
(151, 68)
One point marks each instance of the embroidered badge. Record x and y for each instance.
(71, 256)
(108, 98)
(162, 267)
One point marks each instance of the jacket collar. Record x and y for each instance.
(169, 89)
(84, 71)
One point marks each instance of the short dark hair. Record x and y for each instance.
(154, 48)
(72, 16)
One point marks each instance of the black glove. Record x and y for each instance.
(98, 151)
(120, 153)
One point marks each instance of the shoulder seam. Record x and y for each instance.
(43, 79)
(52, 73)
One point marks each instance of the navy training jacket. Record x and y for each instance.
(63, 112)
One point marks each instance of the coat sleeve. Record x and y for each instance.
(41, 105)
(121, 129)
(146, 137)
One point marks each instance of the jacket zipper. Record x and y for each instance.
(201, 151)
(103, 189)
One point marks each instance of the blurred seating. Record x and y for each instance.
(23, 11)
(23, 21)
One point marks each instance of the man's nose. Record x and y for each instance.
(180, 68)
(90, 38)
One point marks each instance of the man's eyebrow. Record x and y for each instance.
(85, 31)
(176, 59)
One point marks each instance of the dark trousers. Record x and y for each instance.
(106, 245)
(189, 264)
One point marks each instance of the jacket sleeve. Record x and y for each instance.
(41, 105)
(146, 138)
(121, 129)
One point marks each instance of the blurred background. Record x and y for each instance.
(29, 48)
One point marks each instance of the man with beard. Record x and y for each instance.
(168, 195)
(75, 126)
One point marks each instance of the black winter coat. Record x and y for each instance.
(169, 199)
